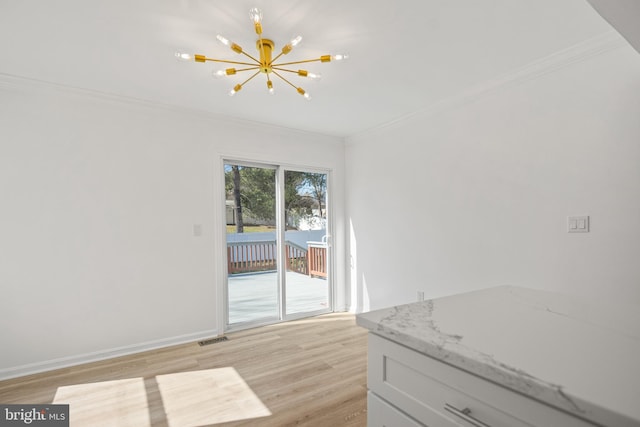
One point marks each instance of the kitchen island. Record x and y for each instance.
(504, 356)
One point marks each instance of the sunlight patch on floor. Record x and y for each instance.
(107, 403)
(189, 399)
(208, 397)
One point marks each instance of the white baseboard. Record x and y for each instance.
(64, 362)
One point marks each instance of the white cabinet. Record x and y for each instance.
(381, 414)
(506, 356)
(408, 388)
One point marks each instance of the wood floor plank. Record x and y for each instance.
(310, 372)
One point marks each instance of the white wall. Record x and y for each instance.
(478, 194)
(623, 15)
(98, 199)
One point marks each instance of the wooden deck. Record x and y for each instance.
(253, 297)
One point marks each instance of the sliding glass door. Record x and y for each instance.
(277, 248)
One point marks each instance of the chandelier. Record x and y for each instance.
(267, 64)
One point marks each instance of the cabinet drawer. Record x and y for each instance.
(438, 394)
(382, 414)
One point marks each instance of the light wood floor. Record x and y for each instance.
(310, 372)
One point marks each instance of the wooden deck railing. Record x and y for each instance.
(296, 258)
(317, 256)
(248, 257)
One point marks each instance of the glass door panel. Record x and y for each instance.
(306, 248)
(252, 249)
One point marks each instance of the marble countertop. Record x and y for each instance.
(573, 353)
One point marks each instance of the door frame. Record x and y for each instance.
(220, 262)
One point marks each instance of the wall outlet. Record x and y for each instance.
(420, 295)
(578, 224)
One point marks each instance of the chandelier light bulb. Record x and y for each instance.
(289, 46)
(305, 73)
(304, 93)
(223, 40)
(223, 73)
(256, 15)
(270, 87)
(235, 89)
(340, 57)
(182, 56)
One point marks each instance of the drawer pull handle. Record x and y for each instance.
(465, 414)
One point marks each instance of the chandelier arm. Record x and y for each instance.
(287, 81)
(247, 69)
(284, 69)
(276, 58)
(247, 55)
(296, 62)
(246, 81)
(230, 62)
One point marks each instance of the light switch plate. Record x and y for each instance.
(578, 224)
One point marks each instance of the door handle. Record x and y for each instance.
(465, 414)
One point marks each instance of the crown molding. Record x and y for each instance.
(11, 81)
(577, 53)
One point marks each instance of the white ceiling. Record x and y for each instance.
(405, 55)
